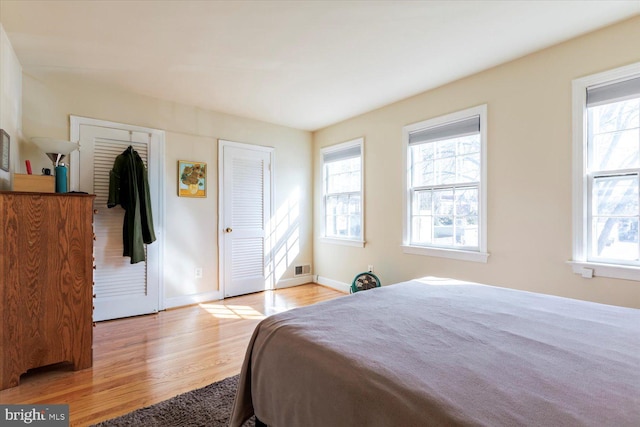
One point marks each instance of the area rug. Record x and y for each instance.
(209, 406)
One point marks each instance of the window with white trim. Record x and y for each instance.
(607, 173)
(342, 192)
(445, 186)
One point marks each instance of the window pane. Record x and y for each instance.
(616, 238)
(421, 165)
(443, 202)
(466, 202)
(354, 226)
(343, 175)
(337, 205)
(615, 196)
(330, 226)
(467, 231)
(446, 148)
(443, 230)
(614, 135)
(616, 150)
(422, 203)
(421, 229)
(444, 171)
(354, 204)
(468, 168)
(452, 161)
(616, 116)
(343, 216)
(469, 144)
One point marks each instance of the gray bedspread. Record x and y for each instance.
(437, 352)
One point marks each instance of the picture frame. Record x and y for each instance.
(5, 147)
(192, 179)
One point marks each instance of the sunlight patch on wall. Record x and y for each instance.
(283, 242)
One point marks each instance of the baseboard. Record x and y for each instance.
(192, 299)
(340, 286)
(298, 280)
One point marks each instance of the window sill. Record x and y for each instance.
(593, 269)
(343, 242)
(447, 253)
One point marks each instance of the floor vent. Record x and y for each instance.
(303, 269)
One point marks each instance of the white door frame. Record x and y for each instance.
(221, 226)
(157, 158)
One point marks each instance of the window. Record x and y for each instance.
(445, 187)
(607, 174)
(342, 193)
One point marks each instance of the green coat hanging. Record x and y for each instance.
(129, 187)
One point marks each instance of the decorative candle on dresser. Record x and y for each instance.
(46, 282)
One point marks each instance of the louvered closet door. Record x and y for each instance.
(121, 289)
(246, 207)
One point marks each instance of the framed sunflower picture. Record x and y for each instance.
(192, 179)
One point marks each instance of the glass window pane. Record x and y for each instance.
(616, 150)
(616, 238)
(445, 148)
(422, 165)
(330, 225)
(468, 168)
(444, 171)
(469, 144)
(343, 175)
(443, 202)
(466, 202)
(421, 229)
(422, 203)
(354, 204)
(616, 116)
(354, 226)
(617, 195)
(443, 230)
(467, 231)
(342, 225)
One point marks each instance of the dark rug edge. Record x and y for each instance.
(209, 406)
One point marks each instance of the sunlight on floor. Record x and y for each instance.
(223, 311)
(272, 303)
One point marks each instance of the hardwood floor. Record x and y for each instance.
(143, 360)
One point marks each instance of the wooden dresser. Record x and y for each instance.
(46, 282)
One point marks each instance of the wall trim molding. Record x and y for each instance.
(296, 281)
(340, 286)
(185, 300)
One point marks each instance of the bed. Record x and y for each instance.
(433, 352)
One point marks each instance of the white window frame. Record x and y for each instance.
(481, 254)
(580, 197)
(357, 242)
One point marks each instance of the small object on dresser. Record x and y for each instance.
(61, 178)
(33, 183)
(27, 164)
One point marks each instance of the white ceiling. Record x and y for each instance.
(303, 64)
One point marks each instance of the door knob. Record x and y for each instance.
(228, 230)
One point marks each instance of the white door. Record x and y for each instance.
(245, 206)
(121, 289)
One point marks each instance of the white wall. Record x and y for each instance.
(10, 103)
(529, 174)
(191, 134)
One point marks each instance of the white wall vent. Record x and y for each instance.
(303, 269)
